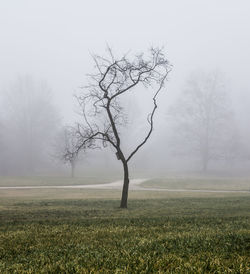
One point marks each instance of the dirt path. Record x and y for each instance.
(135, 184)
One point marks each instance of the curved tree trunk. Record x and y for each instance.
(124, 199)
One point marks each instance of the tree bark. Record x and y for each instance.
(124, 199)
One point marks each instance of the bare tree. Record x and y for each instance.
(65, 145)
(30, 121)
(203, 119)
(101, 102)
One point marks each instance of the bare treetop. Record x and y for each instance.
(114, 77)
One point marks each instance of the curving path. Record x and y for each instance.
(135, 184)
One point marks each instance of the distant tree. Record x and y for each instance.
(30, 121)
(101, 103)
(203, 120)
(65, 145)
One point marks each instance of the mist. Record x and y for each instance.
(46, 54)
(124, 136)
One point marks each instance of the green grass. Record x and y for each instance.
(84, 231)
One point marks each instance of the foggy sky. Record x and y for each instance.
(53, 40)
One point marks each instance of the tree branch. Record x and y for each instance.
(150, 120)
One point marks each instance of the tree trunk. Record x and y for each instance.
(124, 199)
(204, 164)
(205, 155)
(72, 169)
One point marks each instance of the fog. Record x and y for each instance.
(46, 53)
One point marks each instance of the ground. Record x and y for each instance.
(84, 231)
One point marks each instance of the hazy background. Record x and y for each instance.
(52, 41)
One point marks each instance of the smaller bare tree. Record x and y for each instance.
(203, 120)
(65, 148)
(101, 102)
(30, 120)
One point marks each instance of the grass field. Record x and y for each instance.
(84, 231)
(200, 183)
(53, 181)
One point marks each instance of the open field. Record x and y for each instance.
(169, 183)
(83, 230)
(200, 183)
(7, 181)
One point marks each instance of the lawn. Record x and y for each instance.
(200, 183)
(84, 231)
(53, 181)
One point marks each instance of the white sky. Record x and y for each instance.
(52, 40)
